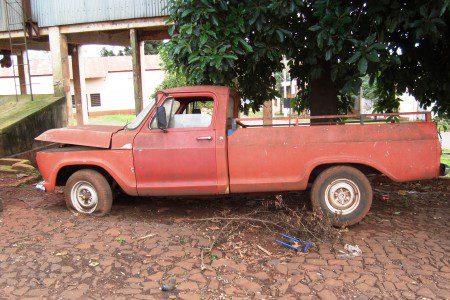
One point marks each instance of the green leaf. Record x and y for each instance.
(171, 30)
(354, 57)
(245, 45)
(328, 54)
(193, 59)
(203, 39)
(186, 12)
(280, 35)
(231, 56)
(373, 56)
(214, 20)
(315, 27)
(379, 46)
(362, 65)
(320, 40)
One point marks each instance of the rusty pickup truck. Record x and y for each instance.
(191, 141)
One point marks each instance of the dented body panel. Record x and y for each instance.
(223, 158)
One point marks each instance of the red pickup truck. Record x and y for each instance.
(190, 141)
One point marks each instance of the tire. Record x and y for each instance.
(342, 193)
(92, 185)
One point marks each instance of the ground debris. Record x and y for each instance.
(350, 251)
(277, 214)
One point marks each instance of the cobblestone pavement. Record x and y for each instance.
(46, 251)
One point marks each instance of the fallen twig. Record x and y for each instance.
(264, 250)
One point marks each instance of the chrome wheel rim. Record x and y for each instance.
(84, 197)
(342, 196)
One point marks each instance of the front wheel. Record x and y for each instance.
(342, 193)
(88, 192)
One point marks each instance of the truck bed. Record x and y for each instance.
(281, 158)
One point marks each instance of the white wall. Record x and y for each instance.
(150, 80)
(7, 86)
(117, 92)
(116, 89)
(41, 84)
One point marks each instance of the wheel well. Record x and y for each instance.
(65, 172)
(365, 169)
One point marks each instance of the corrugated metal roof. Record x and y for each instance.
(14, 13)
(62, 12)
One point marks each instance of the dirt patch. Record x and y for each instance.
(46, 251)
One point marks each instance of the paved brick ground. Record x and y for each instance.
(45, 251)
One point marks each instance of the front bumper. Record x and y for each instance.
(444, 170)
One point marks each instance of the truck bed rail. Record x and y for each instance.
(330, 119)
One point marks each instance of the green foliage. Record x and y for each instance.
(443, 124)
(400, 45)
(105, 52)
(171, 80)
(150, 47)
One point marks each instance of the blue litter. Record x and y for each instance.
(298, 244)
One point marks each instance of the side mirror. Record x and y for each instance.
(161, 119)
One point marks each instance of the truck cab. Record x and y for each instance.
(191, 141)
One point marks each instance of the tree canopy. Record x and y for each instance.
(330, 44)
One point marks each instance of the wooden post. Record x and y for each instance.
(21, 71)
(80, 104)
(60, 66)
(136, 61)
(267, 112)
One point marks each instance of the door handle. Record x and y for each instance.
(204, 138)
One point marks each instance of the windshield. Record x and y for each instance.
(141, 116)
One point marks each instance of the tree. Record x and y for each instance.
(152, 47)
(330, 44)
(105, 52)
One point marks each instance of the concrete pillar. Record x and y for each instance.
(145, 92)
(78, 86)
(21, 71)
(60, 66)
(267, 112)
(137, 70)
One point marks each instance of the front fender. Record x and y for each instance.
(117, 163)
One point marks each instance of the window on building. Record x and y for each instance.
(73, 101)
(96, 100)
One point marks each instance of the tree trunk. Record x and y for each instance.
(323, 98)
(267, 112)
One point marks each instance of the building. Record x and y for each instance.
(108, 81)
(62, 27)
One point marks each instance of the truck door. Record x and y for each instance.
(182, 159)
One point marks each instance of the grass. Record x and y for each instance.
(12, 111)
(445, 157)
(118, 120)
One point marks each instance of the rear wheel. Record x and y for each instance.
(88, 192)
(342, 193)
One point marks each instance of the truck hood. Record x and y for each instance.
(88, 135)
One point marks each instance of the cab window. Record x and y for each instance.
(188, 112)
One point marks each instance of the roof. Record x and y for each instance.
(199, 88)
(95, 67)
